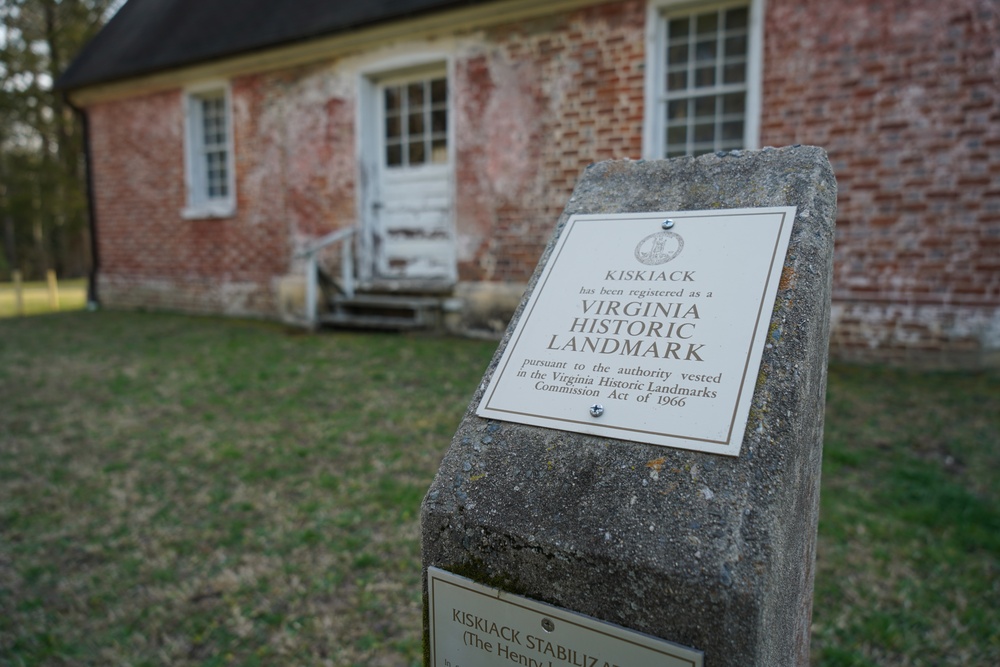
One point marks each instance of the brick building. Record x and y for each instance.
(226, 137)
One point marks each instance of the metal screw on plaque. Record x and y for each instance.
(667, 224)
(548, 625)
(596, 410)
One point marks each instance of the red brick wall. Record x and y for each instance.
(905, 97)
(294, 148)
(537, 103)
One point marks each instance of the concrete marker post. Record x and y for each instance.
(715, 553)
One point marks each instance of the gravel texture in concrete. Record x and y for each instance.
(712, 552)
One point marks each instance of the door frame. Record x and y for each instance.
(371, 157)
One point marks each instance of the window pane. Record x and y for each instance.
(394, 155)
(210, 148)
(416, 124)
(704, 107)
(732, 131)
(417, 128)
(213, 121)
(439, 151)
(705, 50)
(677, 135)
(736, 18)
(704, 77)
(704, 83)
(677, 54)
(736, 46)
(704, 132)
(679, 28)
(734, 103)
(677, 109)
(439, 91)
(392, 99)
(215, 174)
(735, 73)
(217, 186)
(417, 154)
(677, 80)
(415, 95)
(393, 127)
(439, 121)
(707, 23)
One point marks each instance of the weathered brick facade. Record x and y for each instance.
(903, 94)
(295, 180)
(905, 97)
(537, 102)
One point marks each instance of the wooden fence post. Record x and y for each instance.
(18, 295)
(50, 276)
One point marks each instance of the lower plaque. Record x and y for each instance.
(472, 625)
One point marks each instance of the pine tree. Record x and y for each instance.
(43, 209)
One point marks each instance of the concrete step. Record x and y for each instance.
(382, 311)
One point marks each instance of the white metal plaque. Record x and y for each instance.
(640, 332)
(476, 626)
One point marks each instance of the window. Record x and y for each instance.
(209, 154)
(705, 86)
(416, 123)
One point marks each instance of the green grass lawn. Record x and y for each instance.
(197, 491)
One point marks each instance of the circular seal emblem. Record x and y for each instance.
(659, 248)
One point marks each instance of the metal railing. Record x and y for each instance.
(310, 253)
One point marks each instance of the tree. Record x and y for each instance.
(43, 208)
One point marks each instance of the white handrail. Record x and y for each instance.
(312, 267)
(324, 241)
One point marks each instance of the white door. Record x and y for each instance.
(411, 231)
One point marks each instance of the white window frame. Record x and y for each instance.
(385, 68)
(654, 122)
(412, 75)
(199, 202)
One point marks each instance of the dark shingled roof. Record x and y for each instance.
(148, 36)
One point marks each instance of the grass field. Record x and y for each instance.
(35, 298)
(196, 491)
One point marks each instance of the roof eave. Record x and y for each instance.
(305, 51)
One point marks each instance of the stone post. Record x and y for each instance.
(711, 552)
